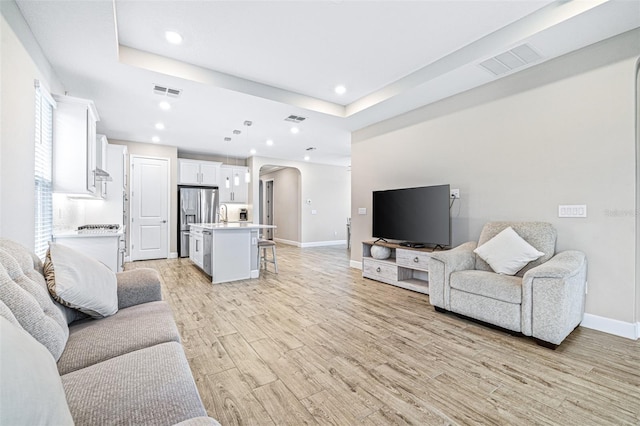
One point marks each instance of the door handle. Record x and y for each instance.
(164, 221)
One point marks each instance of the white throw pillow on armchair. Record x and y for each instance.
(507, 252)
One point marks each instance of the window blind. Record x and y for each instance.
(43, 170)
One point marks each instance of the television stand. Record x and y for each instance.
(411, 245)
(406, 267)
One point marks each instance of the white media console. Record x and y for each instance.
(406, 267)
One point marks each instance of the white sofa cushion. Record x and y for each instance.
(507, 252)
(32, 392)
(80, 282)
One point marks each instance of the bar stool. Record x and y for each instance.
(263, 245)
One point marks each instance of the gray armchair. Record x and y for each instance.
(544, 300)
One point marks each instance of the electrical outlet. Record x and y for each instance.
(455, 193)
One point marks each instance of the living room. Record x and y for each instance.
(561, 132)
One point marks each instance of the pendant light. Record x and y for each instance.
(247, 175)
(227, 184)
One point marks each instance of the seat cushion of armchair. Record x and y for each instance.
(153, 386)
(488, 284)
(92, 341)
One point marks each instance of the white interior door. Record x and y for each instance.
(149, 208)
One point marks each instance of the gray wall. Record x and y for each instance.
(328, 188)
(560, 133)
(286, 203)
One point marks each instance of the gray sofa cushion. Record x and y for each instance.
(24, 291)
(137, 327)
(138, 286)
(489, 284)
(32, 392)
(153, 386)
(540, 235)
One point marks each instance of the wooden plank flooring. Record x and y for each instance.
(318, 344)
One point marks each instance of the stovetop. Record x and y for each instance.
(98, 228)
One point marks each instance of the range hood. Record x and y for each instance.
(102, 175)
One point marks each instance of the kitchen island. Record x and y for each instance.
(226, 251)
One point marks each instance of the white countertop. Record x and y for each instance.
(230, 225)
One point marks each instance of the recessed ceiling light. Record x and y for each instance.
(340, 90)
(160, 126)
(173, 37)
(164, 105)
(269, 142)
(155, 139)
(295, 130)
(307, 158)
(252, 151)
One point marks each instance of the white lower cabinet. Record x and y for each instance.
(196, 247)
(102, 247)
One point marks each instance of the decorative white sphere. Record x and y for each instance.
(380, 252)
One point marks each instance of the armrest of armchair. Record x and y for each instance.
(441, 265)
(138, 286)
(553, 296)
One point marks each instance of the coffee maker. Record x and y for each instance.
(244, 214)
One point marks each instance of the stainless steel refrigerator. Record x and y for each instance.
(196, 205)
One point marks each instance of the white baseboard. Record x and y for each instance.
(173, 255)
(325, 243)
(312, 244)
(357, 264)
(611, 326)
(288, 242)
(127, 259)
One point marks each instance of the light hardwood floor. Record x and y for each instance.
(318, 344)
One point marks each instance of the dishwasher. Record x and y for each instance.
(207, 243)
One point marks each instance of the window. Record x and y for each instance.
(42, 170)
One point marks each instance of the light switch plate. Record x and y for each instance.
(572, 210)
(362, 210)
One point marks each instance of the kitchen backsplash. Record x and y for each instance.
(68, 213)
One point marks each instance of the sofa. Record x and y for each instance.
(543, 296)
(59, 366)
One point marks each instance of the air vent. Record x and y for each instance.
(511, 60)
(166, 91)
(295, 119)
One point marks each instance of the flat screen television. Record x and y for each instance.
(415, 216)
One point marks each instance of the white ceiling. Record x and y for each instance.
(265, 60)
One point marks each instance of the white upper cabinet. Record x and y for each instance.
(238, 189)
(101, 164)
(74, 146)
(196, 172)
